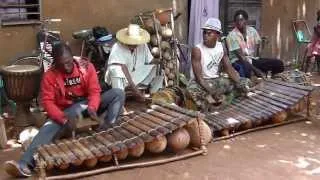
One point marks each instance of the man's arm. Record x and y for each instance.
(125, 70)
(48, 101)
(197, 69)
(93, 89)
(229, 69)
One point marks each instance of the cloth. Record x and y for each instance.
(243, 68)
(200, 11)
(308, 62)
(275, 66)
(59, 90)
(313, 48)
(235, 41)
(111, 101)
(210, 60)
(137, 63)
(221, 85)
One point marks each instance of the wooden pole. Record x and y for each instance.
(3, 134)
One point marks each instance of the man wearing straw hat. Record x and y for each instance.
(129, 62)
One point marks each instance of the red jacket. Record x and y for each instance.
(55, 89)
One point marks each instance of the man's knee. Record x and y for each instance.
(117, 93)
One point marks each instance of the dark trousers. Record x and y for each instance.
(111, 101)
(265, 65)
(317, 61)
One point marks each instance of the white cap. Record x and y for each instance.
(213, 24)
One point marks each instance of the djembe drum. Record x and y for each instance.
(21, 84)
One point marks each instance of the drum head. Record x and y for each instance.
(21, 68)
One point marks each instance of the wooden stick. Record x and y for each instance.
(167, 118)
(114, 148)
(77, 152)
(214, 126)
(141, 126)
(248, 114)
(279, 95)
(88, 145)
(306, 88)
(260, 128)
(285, 88)
(266, 104)
(74, 160)
(296, 96)
(251, 112)
(91, 160)
(270, 101)
(150, 124)
(121, 167)
(170, 112)
(177, 109)
(257, 107)
(275, 98)
(158, 121)
(60, 161)
(146, 137)
(48, 159)
(3, 134)
(129, 135)
(122, 139)
(106, 152)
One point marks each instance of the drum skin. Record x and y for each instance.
(21, 82)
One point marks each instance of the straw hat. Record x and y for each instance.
(133, 35)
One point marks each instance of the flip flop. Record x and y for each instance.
(14, 169)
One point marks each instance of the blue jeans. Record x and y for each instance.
(111, 101)
(263, 64)
(243, 69)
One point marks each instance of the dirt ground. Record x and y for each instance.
(281, 153)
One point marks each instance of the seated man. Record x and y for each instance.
(207, 58)
(129, 61)
(70, 87)
(243, 44)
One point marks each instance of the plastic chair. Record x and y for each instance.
(302, 35)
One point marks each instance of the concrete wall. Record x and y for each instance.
(276, 24)
(75, 15)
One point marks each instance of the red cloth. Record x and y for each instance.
(56, 88)
(314, 46)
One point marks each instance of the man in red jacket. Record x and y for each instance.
(68, 89)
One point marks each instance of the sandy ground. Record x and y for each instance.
(290, 152)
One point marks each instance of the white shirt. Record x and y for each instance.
(210, 60)
(136, 61)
